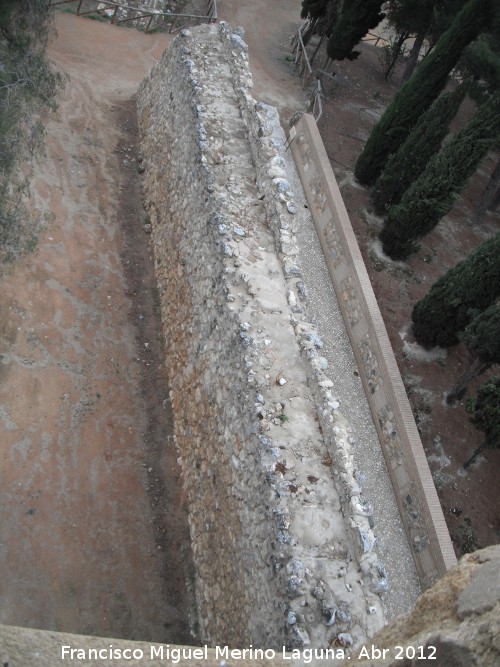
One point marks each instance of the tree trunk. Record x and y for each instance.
(396, 51)
(475, 368)
(496, 201)
(324, 36)
(309, 31)
(320, 43)
(476, 453)
(490, 196)
(413, 58)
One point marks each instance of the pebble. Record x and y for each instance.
(276, 172)
(318, 592)
(237, 41)
(345, 639)
(331, 615)
(283, 185)
(316, 340)
(246, 340)
(292, 587)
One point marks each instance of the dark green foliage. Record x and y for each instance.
(406, 165)
(28, 85)
(356, 19)
(321, 15)
(314, 9)
(481, 60)
(485, 410)
(426, 20)
(482, 336)
(432, 195)
(471, 286)
(482, 340)
(420, 91)
(443, 16)
(411, 16)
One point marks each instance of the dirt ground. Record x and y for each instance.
(94, 539)
(354, 101)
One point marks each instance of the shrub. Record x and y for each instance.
(455, 298)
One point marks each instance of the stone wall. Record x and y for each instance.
(454, 624)
(283, 548)
(411, 478)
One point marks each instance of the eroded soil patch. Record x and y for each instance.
(94, 538)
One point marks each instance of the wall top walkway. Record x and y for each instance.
(399, 439)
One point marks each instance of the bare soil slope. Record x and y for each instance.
(92, 530)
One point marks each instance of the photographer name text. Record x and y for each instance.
(176, 654)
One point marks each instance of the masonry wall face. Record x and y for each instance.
(215, 430)
(283, 549)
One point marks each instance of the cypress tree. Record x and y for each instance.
(313, 9)
(409, 18)
(485, 409)
(481, 60)
(356, 19)
(406, 165)
(482, 340)
(449, 305)
(420, 90)
(434, 192)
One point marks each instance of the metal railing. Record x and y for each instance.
(315, 101)
(152, 19)
(375, 39)
(301, 57)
